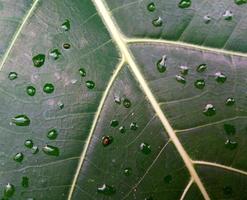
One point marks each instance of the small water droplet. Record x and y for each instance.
(220, 77)
(12, 76)
(25, 182)
(151, 7)
(227, 190)
(38, 60)
(114, 123)
(228, 15)
(35, 150)
(229, 129)
(55, 54)
(240, 2)
(230, 101)
(107, 140)
(60, 104)
(106, 189)
(31, 90)
(9, 190)
(127, 171)
(207, 19)
(18, 157)
(117, 100)
(229, 144)
(201, 68)
(126, 103)
(168, 179)
(48, 88)
(145, 148)
(66, 25)
(184, 70)
(161, 64)
(82, 72)
(21, 120)
(158, 22)
(66, 46)
(133, 126)
(180, 79)
(90, 84)
(51, 150)
(209, 110)
(122, 129)
(52, 134)
(184, 4)
(28, 144)
(200, 84)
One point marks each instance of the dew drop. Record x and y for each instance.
(209, 110)
(230, 101)
(21, 120)
(35, 150)
(82, 72)
(227, 190)
(107, 140)
(25, 182)
(18, 157)
(28, 144)
(168, 179)
(200, 84)
(52, 134)
(133, 126)
(184, 70)
(66, 25)
(161, 64)
(228, 15)
(48, 88)
(55, 54)
(201, 68)
(151, 7)
(207, 19)
(184, 4)
(229, 144)
(12, 76)
(66, 46)
(114, 123)
(126, 103)
(220, 77)
(51, 150)
(90, 84)
(127, 171)
(145, 148)
(240, 2)
(180, 79)
(229, 129)
(38, 60)
(60, 105)
(9, 190)
(117, 100)
(106, 189)
(31, 90)
(122, 129)
(157, 22)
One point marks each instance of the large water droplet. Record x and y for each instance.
(114, 123)
(229, 144)
(51, 150)
(21, 120)
(240, 2)
(209, 110)
(48, 88)
(55, 54)
(9, 190)
(18, 157)
(151, 7)
(90, 84)
(28, 144)
(127, 171)
(161, 64)
(107, 140)
(133, 126)
(157, 22)
(201, 68)
(38, 60)
(180, 79)
(184, 3)
(230, 101)
(106, 189)
(12, 76)
(66, 25)
(168, 179)
(25, 182)
(31, 90)
(184, 70)
(200, 84)
(82, 72)
(145, 148)
(228, 15)
(229, 129)
(220, 77)
(126, 103)
(52, 134)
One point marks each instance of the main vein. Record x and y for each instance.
(17, 33)
(122, 45)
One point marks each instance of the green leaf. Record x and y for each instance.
(123, 100)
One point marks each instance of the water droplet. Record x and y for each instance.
(220, 77)
(9, 190)
(229, 144)
(12, 76)
(106, 189)
(60, 105)
(51, 150)
(107, 140)
(48, 88)
(184, 4)
(229, 129)
(126, 103)
(151, 7)
(117, 100)
(145, 148)
(228, 15)
(90, 84)
(31, 90)
(133, 126)
(201, 68)
(227, 190)
(122, 129)
(18, 157)
(240, 2)
(28, 144)
(66, 25)
(157, 22)
(184, 70)
(55, 54)
(230, 101)
(180, 79)
(127, 171)
(21, 120)
(66, 45)
(114, 123)
(38, 60)
(168, 179)
(161, 64)
(82, 72)
(25, 182)
(209, 110)
(52, 134)
(207, 19)
(35, 150)
(200, 84)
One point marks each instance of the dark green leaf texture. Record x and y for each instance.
(122, 99)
